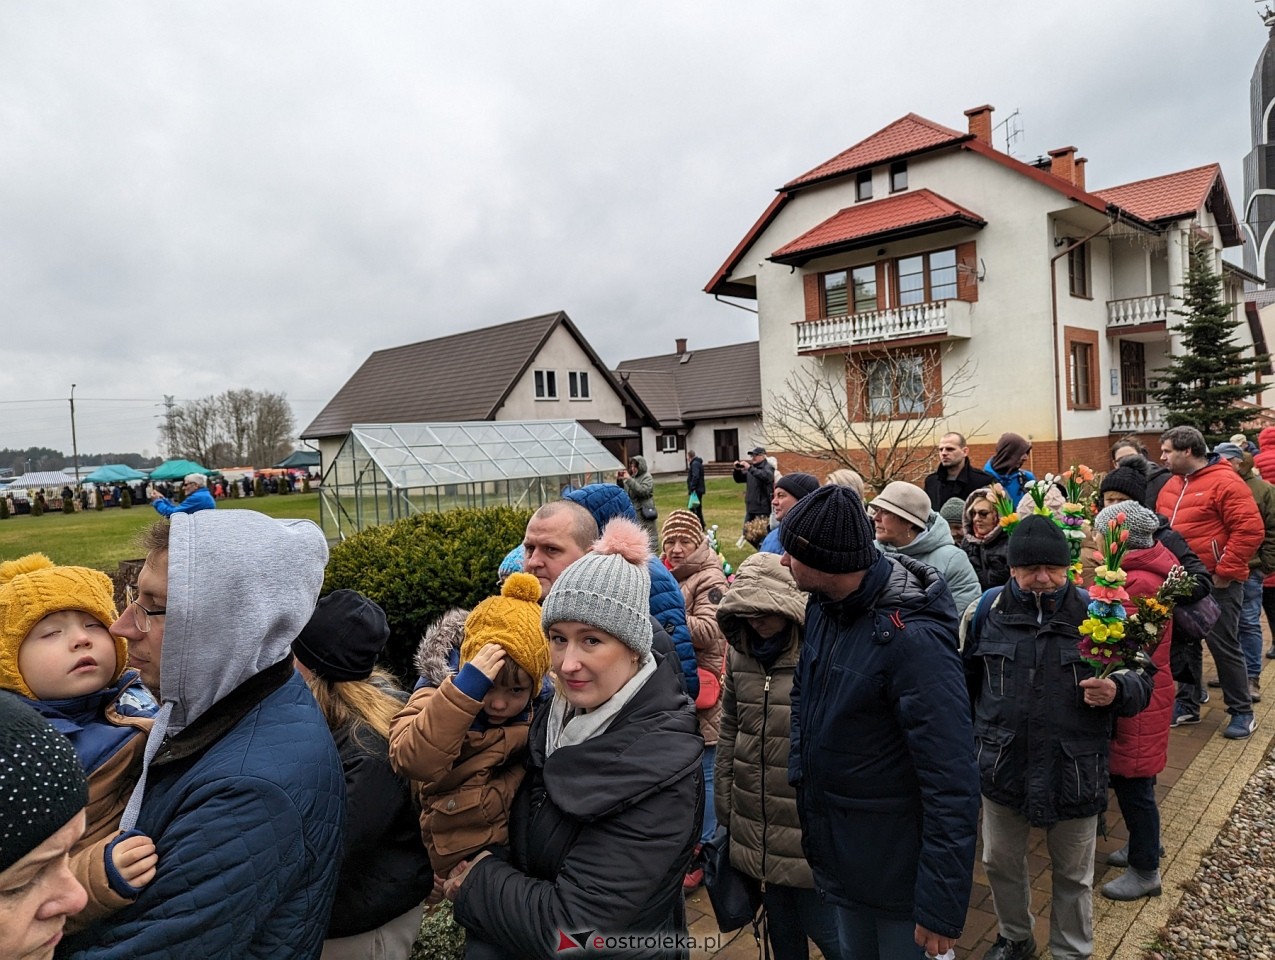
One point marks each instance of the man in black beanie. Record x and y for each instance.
(887, 783)
(1042, 722)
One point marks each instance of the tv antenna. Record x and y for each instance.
(1013, 125)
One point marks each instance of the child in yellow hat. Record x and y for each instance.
(56, 652)
(462, 737)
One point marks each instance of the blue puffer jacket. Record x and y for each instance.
(201, 499)
(882, 749)
(606, 502)
(255, 815)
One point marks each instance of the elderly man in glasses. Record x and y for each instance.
(195, 496)
(241, 786)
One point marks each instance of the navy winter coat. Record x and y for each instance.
(882, 750)
(248, 802)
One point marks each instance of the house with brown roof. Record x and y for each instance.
(923, 250)
(708, 401)
(539, 368)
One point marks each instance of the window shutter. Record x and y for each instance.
(814, 309)
(967, 272)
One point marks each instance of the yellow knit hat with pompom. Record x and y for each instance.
(513, 621)
(31, 588)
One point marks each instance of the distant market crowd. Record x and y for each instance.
(819, 737)
(206, 491)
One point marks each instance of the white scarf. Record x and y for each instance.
(568, 727)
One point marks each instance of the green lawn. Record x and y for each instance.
(101, 539)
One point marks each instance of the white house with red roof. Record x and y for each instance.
(927, 246)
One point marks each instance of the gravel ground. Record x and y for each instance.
(1228, 908)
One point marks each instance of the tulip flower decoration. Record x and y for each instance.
(1077, 482)
(1006, 514)
(1103, 640)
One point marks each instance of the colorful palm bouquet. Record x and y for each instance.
(1111, 637)
(1006, 509)
(1077, 482)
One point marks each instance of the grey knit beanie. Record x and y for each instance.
(609, 588)
(44, 785)
(1138, 520)
(953, 510)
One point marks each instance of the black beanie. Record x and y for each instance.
(1128, 480)
(829, 530)
(44, 785)
(343, 638)
(1037, 540)
(800, 485)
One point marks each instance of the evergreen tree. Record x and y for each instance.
(1202, 386)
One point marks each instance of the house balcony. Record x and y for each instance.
(1139, 418)
(1132, 312)
(939, 320)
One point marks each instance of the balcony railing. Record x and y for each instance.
(949, 318)
(1139, 418)
(1135, 311)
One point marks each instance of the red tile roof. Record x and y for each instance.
(1161, 198)
(864, 221)
(904, 137)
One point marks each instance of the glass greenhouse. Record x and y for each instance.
(386, 471)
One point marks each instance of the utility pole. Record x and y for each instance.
(75, 450)
(170, 424)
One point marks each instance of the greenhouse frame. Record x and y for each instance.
(386, 471)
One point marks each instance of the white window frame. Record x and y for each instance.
(578, 385)
(545, 384)
(665, 439)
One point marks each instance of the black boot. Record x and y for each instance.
(1004, 949)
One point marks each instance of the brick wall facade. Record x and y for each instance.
(1095, 452)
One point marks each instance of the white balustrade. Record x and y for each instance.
(945, 317)
(1139, 418)
(1133, 311)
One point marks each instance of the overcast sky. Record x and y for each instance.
(198, 196)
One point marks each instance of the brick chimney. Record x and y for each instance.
(1079, 174)
(1062, 163)
(681, 346)
(981, 122)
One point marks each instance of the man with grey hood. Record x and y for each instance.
(241, 785)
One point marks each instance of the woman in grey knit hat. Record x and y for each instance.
(41, 817)
(603, 826)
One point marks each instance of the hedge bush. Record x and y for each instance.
(419, 567)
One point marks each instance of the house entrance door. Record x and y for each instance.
(725, 446)
(1133, 372)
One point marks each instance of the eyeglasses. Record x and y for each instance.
(141, 616)
(981, 514)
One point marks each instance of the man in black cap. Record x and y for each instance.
(1042, 723)
(759, 475)
(887, 785)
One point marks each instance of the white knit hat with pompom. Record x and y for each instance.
(609, 588)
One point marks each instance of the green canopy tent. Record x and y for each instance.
(115, 473)
(299, 460)
(177, 469)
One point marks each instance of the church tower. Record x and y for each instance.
(1259, 165)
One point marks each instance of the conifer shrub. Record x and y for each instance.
(36, 509)
(126, 498)
(98, 502)
(4, 508)
(419, 567)
(259, 486)
(68, 504)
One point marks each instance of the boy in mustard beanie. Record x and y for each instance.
(462, 738)
(56, 652)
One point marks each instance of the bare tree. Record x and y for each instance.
(238, 427)
(880, 419)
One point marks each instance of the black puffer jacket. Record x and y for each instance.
(882, 750)
(1042, 751)
(601, 834)
(385, 870)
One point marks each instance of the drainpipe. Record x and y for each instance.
(1053, 320)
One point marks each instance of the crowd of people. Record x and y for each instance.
(221, 769)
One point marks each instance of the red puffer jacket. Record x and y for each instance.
(1215, 512)
(1264, 459)
(1141, 745)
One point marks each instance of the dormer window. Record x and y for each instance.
(863, 185)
